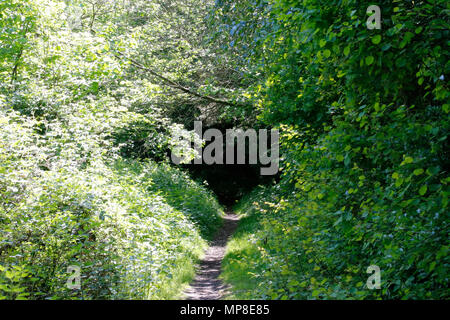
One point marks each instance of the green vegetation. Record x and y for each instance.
(364, 119)
(84, 179)
(93, 91)
(242, 264)
(124, 223)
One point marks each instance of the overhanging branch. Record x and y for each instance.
(174, 84)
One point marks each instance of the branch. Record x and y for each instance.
(174, 84)
(19, 56)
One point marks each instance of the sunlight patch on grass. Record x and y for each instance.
(239, 267)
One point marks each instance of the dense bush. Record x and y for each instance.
(79, 185)
(364, 121)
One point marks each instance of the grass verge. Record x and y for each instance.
(239, 266)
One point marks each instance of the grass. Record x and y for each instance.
(239, 267)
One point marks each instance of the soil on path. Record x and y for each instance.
(206, 285)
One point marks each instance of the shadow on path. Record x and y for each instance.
(206, 285)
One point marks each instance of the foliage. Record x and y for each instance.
(364, 121)
(17, 21)
(92, 91)
(105, 217)
(79, 181)
(242, 265)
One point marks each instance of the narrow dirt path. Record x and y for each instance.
(206, 285)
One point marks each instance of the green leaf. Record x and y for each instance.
(418, 172)
(347, 161)
(407, 160)
(432, 266)
(347, 50)
(369, 60)
(386, 46)
(376, 39)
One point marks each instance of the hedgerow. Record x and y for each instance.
(105, 218)
(364, 121)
